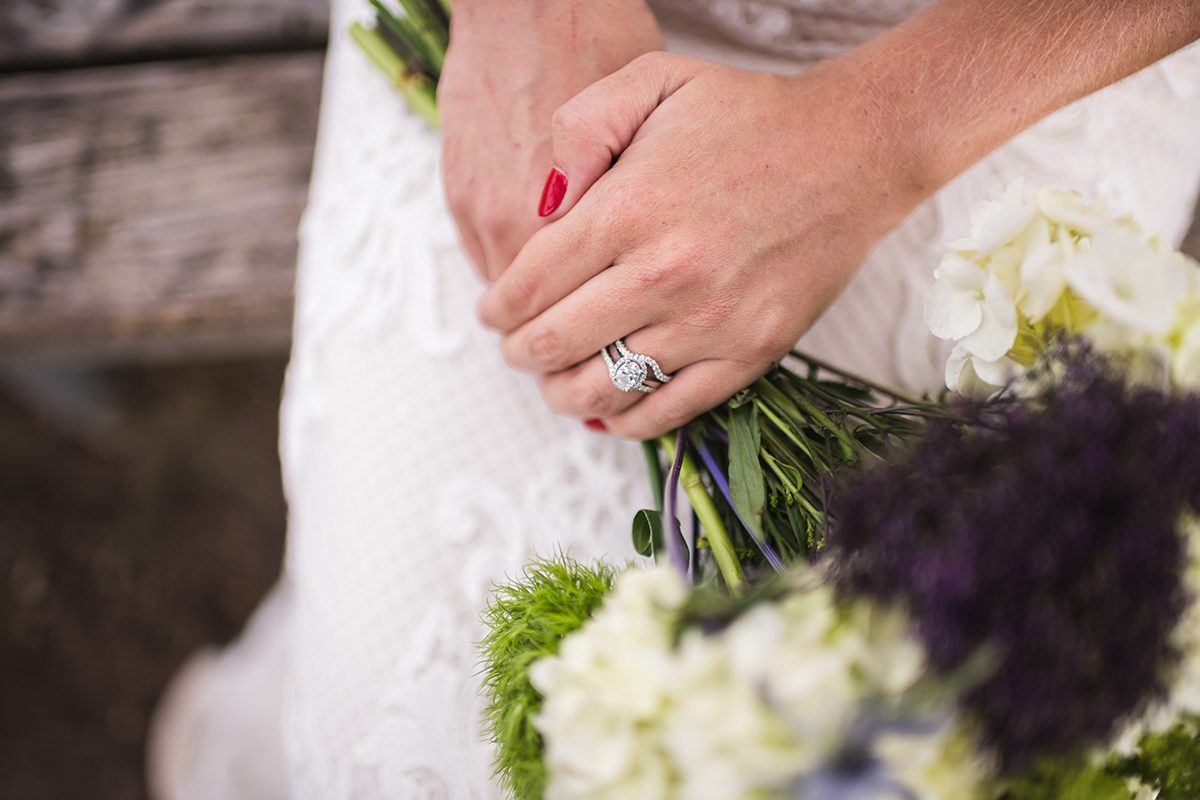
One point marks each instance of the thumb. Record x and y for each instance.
(591, 129)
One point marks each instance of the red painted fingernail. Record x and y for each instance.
(596, 425)
(553, 192)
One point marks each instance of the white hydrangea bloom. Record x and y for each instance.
(1033, 272)
(977, 378)
(995, 223)
(628, 712)
(1071, 211)
(617, 688)
(1043, 268)
(1128, 281)
(971, 304)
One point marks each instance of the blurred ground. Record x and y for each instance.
(140, 516)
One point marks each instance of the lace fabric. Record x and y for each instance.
(420, 469)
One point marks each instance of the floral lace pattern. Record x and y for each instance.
(420, 469)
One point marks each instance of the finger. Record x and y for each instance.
(587, 391)
(554, 262)
(591, 129)
(694, 390)
(622, 298)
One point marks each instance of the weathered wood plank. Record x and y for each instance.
(153, 208)
(68, 32)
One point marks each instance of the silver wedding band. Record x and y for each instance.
(630, 371)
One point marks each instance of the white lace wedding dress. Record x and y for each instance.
(420, 469)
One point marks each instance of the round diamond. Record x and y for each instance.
(628, 374)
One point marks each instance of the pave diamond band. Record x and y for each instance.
(630, 371)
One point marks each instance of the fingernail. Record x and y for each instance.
(596, 425)
(553, 192)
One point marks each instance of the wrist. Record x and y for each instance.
(887, 164)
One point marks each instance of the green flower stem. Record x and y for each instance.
(654, 468)
(719, 542)
(850, 377)
(418, 90)
(783, 427)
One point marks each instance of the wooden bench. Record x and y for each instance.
(154, 162)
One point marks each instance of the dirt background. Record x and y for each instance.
(141, 516)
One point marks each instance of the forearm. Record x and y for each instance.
(960, 79)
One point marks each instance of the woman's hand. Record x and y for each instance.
(743, 202)
(740, 206)
(509, 66)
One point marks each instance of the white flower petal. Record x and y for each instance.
(961, 274)
(1070, 209)
(998, 331)
(1042, 271)
(963, 375)
(952, 314)
(996, 223)
(1124, 278)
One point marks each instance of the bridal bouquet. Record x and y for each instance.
(991, 595)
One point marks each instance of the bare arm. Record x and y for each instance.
(963, 77)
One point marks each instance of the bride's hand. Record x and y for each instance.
(740, 206)
(509, 66)
(743, 202)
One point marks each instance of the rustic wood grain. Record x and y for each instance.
(69, 32)
(152, 209)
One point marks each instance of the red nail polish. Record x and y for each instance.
(553, 192)
(596, 425)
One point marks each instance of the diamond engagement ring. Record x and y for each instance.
(629, 372)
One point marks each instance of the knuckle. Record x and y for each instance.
(681, 259)
(519, 294)
(590, 399)
(567, 120)
(655, 59)
(545, 348)
(766, 340)
(493, 222)
(654, 276)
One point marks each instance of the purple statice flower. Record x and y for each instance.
(1046, 531)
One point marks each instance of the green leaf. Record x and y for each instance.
(845, 391)
(647, 532)
(747, 486)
